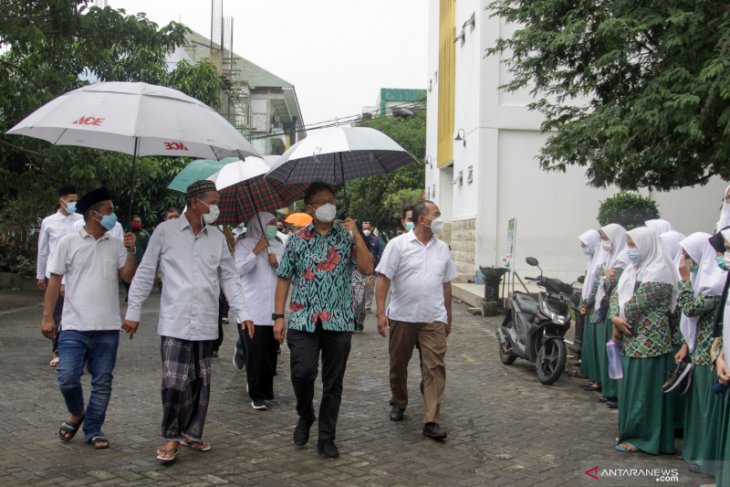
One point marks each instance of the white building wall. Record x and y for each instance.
(503, 140)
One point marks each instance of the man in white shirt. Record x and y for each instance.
(53, 229)
(195, 263)
(92, 263)
(420, 270)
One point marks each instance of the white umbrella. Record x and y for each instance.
(137, 119)
(239, 171)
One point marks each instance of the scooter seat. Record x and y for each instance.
(525, 304)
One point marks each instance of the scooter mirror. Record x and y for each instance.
(581, 279)
(532, 261)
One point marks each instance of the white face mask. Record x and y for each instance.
(366, 233)
(326, 213)
(213, 213)
(437, 226)
(607, 246)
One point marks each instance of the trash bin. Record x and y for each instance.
(492, 280)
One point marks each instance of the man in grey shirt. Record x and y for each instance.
(195, 264)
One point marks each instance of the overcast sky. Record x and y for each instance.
(337, 53)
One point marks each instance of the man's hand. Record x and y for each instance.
(48, 328)
(351, 226)
(130, 327)
(62, 292)
(610, 273)
(279, 330)
(681, 353)
(448, 329)
(583, 310)
(248, 324)
(42, 284)
(129, 241)
(383, 325)
(272, 261)
(684, 268)
(621, 325)
(260, 246)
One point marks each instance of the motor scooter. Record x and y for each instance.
(535, 330)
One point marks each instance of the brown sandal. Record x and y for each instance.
(200, 446)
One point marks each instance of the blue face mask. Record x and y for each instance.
(71, 208)
(108, 221)
(409, 226)
(694, 268)
(721, 262)
(588, 251)
(634, 255)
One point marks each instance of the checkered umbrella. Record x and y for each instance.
(244, 191)
(338, 154)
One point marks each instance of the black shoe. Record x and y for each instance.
(612, 404)
(434, 431)
(602, 399)
(238, 361)
(694, 468)
(301, 432)
(396, 413)
(327, 449)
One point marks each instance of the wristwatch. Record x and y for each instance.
(276, 316)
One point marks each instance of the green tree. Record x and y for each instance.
(380, 199)
(636, 92)
(48, 47)
(628, 209)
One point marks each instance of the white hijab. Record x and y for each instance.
(724, 213)
(726, 314)
(655, 266)
(592, 240)
(254, 231)
(616, 258)
(670, 243)
(695, 245)
(659, 226)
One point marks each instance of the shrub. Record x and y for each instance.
(628, 209)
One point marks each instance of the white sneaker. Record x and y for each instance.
(259, 405)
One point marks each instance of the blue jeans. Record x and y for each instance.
(98, 351)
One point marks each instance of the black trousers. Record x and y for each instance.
(304, 350)
(261, 359)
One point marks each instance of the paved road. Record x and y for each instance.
(505, 428)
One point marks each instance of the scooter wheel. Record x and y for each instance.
(551, 361)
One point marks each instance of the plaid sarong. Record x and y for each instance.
(185, 387)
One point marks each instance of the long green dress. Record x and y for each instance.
(645, 413)
(604, 331)
(588, 359)
(703, 411)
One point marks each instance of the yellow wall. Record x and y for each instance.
(446, 74)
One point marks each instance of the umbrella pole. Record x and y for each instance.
(344, 186)
(131, 185)
(253, 202)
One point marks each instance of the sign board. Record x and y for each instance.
(510, 249)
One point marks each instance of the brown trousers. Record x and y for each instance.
(432, 339)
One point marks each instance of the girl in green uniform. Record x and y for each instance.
(596, 257)
(700, 289)
(642, 301)
(615, 236)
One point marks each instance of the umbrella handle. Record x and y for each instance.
(253, 202)
(131, 185)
